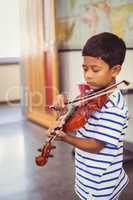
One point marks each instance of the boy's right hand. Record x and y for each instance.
(60, 102)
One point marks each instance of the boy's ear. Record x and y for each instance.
(115, 70)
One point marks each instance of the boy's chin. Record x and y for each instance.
(92, 87)
(96, 88)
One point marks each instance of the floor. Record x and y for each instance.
(21, 178)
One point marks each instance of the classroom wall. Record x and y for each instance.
(9, 29)
(9, 82)
(9, 50)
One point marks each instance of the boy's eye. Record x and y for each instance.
(93, 68)
(85, 69)
(96, 70)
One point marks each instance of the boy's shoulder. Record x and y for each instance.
(116, 102)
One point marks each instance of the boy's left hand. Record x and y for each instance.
(60, 134)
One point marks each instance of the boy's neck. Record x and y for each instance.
(113, 82)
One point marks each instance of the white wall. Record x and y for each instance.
(9, 48)
(71, 71)
(127, 69)
(9, 82)
(9, 28)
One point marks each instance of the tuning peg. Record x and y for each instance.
(40, 150)
(53, 147)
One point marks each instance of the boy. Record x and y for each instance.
(99, 174)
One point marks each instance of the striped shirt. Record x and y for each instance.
(102, 175)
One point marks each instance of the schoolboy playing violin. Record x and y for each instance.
(99, 173)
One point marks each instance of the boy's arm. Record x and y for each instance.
(90, 145)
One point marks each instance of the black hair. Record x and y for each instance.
(108, 46)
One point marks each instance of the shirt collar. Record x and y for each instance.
(114, 96)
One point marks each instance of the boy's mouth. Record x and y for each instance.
(94, 87)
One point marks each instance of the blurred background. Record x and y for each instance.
(40, 56)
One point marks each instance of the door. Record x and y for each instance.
(39, 59)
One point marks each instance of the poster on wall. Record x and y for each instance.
(77, 20)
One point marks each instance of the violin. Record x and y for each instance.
(77, 116)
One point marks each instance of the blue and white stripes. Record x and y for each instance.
(101, 174)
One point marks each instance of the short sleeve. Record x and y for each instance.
(109, 126)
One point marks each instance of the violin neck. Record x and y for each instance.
(54, 134)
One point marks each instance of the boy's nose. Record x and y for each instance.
(89, 74)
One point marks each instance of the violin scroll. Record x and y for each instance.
(42, 159)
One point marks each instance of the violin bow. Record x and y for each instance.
(95, 94)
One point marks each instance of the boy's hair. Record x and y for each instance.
(107, 46)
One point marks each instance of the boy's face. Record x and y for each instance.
(97, 73)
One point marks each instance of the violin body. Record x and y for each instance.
(82, 114)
